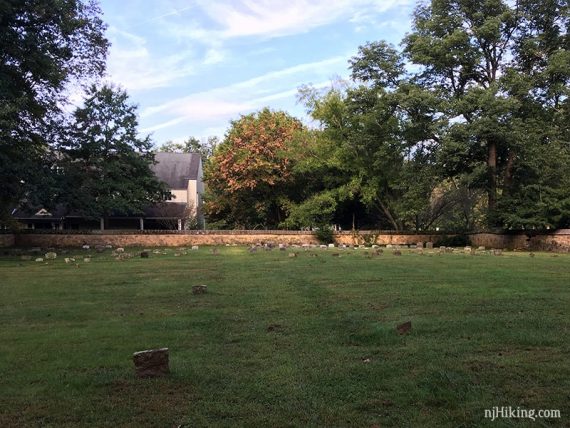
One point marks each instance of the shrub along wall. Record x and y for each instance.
(555, 241)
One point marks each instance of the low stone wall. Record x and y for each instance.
(209, 238)
(558, 240)
(157, 240)
(555, 241)
(7, 240)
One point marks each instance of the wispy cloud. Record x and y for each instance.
(169, 53)
(135, 67)
(246, 95)
(273, 18)
(230, 19)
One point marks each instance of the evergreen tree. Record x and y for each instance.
(106, 166)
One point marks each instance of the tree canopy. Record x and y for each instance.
(106, 165)
(249, 174)
(44, 46)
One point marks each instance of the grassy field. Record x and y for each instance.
(281, 341)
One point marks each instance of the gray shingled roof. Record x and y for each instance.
(175, 169)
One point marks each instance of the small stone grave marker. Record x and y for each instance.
(199, 289)
(151, 363)
(404, 328)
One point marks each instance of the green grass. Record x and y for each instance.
(487, 331)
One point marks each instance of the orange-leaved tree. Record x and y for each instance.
(249, 176)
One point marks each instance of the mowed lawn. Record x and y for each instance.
(282, 341)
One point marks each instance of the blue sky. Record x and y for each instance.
(192, 66)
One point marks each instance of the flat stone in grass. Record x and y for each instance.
(273, 328)
(85, 247)
(151, 363)
(404, 328)
(50, 256)
(199, 289)
(497, 252)
(195, 247)
(292, 254)
(119, 250)
(39, 259)
(481, 248)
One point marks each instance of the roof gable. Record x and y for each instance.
(175, 169)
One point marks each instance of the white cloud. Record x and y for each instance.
(214, 56)
(273, 18)
(134, 67)
(247, 95)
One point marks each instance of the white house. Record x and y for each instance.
(182, 174)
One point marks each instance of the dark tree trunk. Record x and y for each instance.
(492, 171)
(509, 170)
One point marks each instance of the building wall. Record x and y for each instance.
(180, 195)
(7, 240)
(192, 196)
(557, 241)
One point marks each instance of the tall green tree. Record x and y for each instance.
(383, 132)
(106, 166)
(501, 71)
(44, 46)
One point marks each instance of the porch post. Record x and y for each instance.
(179, 224)
(102, 224)
(141, 223)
